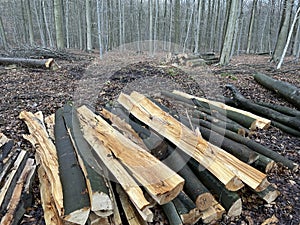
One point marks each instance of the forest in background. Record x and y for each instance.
(230, 27)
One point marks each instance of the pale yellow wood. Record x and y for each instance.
(3, 139)
(189, 142)
(159, 181)
(51, 215)
(133, 217)
(50, 122)
(46, 154)
(120, 173)
(8, 218)
(260, 122)
(123, 127)
(249, 175)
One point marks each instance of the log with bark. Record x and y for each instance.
(181, 136)
(101, 203)
(172, 214)
(282, 109)
(6, 146)
(230, 112)
(187, 209)
(27, 62)
(293, 122)
(285, 89)
(158, 180)
(76, 201)
(15, 208)
(258, 148)
(11, 179)
(210, 156)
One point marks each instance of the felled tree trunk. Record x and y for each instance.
(292, 122)
(287, 90)
(36, 63)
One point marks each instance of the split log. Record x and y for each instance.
(181, 136)
(37, 63)
(51, 214)
(240, 151)
(100, 201)
(159, 181)
(133, 217)
(9, 162)
(186, 208)
(50, 122)
(193, 187)
(213, 214)
(231, 112)
(287, 90)
(6, 146)
(94, 219)
(11, 179)
(270, 113)
(76, 200)
(148, 112)
(13, 215)
(172, 214)
(45, 154)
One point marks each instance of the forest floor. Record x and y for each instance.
(98, 83)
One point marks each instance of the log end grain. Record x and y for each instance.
(234, 184)
(235, 209)
(204, 201)
(78, 217)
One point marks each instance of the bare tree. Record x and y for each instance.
(2, 34)
(251, 25)
(88, 15)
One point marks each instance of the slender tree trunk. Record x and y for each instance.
(24, 20)
(99, 27)
(88, 15)
(289, 38)
(188, 28)
(284, 29)
(67, 14)
(58, 18)
(40, 26)
(171, 25)
(251, 25)
(236, 29)
(150, 28)
(47, 24)
(198, 36)
(156, 28)
(177, 22)
(232, 9)
(3, 35)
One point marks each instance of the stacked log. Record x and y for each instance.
(152, 160)
(287, 120)
(17, 172)
(190, 60)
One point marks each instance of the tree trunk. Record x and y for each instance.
(99, 28)
(88, 16)
(3, 35)
(58, 18)
(288, 39)
(232, 9)
(251, 25)
(283, 30)
(287, 90)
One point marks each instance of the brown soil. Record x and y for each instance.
(98, 83)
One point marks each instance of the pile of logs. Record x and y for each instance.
(285, 118)
(16, 176)
(126, 162)
(191, 60)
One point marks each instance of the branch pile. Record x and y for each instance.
(96, 167)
